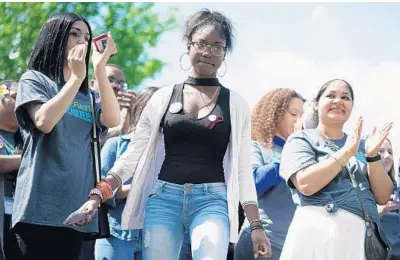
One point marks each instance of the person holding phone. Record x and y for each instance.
(54, 113)
(316, 163)
(389, 212)
(190, 158)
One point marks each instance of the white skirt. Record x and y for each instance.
(315, 234)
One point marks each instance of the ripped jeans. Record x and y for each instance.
(199, 209)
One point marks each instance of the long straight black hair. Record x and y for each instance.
(49, 52)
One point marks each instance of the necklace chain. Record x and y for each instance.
(209, 102)
(202, 98)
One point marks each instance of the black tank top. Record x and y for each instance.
(195, 148)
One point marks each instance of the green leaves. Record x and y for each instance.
(134, 26)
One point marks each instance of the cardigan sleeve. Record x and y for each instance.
(125, 166)
(247, 188)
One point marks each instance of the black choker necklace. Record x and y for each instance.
(202, 81)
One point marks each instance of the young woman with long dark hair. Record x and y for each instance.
(54, 113)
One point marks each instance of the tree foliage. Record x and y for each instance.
(135, 28)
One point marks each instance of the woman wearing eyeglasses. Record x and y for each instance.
(190, 158)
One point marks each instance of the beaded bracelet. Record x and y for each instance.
(256, 224)
(97, 192)
(106, 190)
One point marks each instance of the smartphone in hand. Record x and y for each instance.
(100, 42)
(78, 216)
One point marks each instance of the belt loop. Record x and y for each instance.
(205, 187)
(161, 185)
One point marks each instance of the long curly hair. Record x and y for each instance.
(268, 112)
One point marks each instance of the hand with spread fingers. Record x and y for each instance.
(126, 99)
(261, 244)
(376, 139)
(126, 102)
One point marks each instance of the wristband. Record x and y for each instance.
(97, 192)
(374, 159)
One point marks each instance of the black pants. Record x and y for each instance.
(49, 243)
(12, 246)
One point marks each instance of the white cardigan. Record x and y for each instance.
(145, 155)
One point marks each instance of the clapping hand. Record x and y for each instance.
(353, 142)
(376, 139)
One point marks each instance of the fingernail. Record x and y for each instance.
(255, 256)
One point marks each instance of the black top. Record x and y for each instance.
(195, 148)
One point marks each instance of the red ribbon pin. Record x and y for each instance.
(218, 119)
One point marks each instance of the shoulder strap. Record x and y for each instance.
(359, 195)
(95, 144)
(175, 91)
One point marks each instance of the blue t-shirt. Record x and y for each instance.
(56, 172)
(306, 148)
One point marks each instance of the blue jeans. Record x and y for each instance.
(199, 209)
(186, 250)
(112, 248)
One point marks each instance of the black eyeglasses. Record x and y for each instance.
(216, 50)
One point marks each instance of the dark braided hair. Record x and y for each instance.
(48, 55)
(204, 18)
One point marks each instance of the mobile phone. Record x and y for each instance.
(78, 216)
(100, 42)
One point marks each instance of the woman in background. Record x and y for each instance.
(389, 213)
(274, 119)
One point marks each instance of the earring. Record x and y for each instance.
(180, 62)
(226, 68)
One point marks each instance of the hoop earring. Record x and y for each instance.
(180, 62)
(226, 68)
